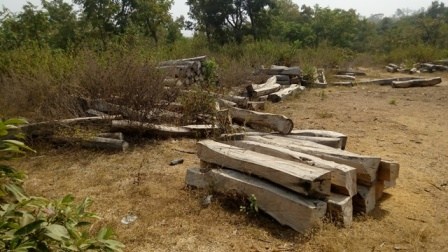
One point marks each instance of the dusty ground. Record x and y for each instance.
(407, 125)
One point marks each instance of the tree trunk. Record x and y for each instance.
(283, 93)
(322, 133)
(275, 122)
(417, 83)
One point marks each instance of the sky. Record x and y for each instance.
(365, 8)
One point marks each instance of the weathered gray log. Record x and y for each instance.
(391, 69)
(257, 106)
(417, 83)
(366, 166)
(265, 90)
(292, 71)
(352, 73)
(387, 81)
(94, 112)
(388, 170)
(94, 142)
(286, 207)
(301, 178)
(340, 209)
(283, 83)
(275, 122)
(252, 87)
(151, 129)
(239, 100)
(283, 78)
(204, 129)
(345, 77)
(365, 200)
(115, 135)
(321, 133)
(283, 93)
(182, 61)
(225, 103)
(333, 142)
(343, 177)
(43, 129)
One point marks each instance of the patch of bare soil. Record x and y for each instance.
(406, 125)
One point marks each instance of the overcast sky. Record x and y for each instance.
(365, 8)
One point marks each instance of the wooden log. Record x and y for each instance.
(379, 190)
(366, 166)
(365, 200)
(182, 61)
(94, 112)
(391, 69)
(388, 170)
(270, 86)
(283, 78)
(95, 142)
(283, 93)
(349, 72)
(286, 207)
(257, 106)
(320, 76)
(279, 123)
(340, 209)
(343, 177)
(387, 81)
(417, 83)
(345, 77)
(332, 142)
(275, 70)
(301, 178)
(204, 130)
(292, 71)
(239, 100)
(48, 128)
(151, 129)
(321, 133)
(115, 135)
(283, 83)
(225, 103)
(343, 83)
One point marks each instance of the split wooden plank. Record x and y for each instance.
(366, 166)
(275, 122)
(417, 83)
(340, 209)
(343, 177)
(332, 142)
(365, 200)
(321, 133)
(301, 178)
(151, 129)
(283, 93)
(286, 207)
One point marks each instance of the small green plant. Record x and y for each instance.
(30, 223)
(210, 68)
(308, 75)
(393, 102)
(252, 206)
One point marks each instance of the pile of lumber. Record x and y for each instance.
(271, 90)
(285, 75)
(183, 71)
(430, 67)
(297, 178)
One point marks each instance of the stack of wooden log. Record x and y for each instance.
(419, 67)
(183, 71)
(271, 90)
(285, 75)
(297, 178)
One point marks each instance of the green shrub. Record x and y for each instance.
(30, 223)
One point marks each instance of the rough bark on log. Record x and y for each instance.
(151, 129)
(340, 209)
(283, 93)
(365, 200)
(275, 122)
(417, 83)
(301, 178)
(321, 133)
(366, 166)
(95, 142)
(286, 207)
(343, 177)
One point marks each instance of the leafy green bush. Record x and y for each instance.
(30, 223)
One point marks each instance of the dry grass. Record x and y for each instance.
(170, 217)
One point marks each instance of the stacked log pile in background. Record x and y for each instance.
(183, 71)
(296, 178)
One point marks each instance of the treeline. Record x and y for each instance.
(99, 23)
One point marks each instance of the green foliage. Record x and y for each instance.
(252, 206)
(210, 72)
(38, 224)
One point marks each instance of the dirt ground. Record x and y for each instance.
(406, 125)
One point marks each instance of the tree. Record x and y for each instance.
(63, 23)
